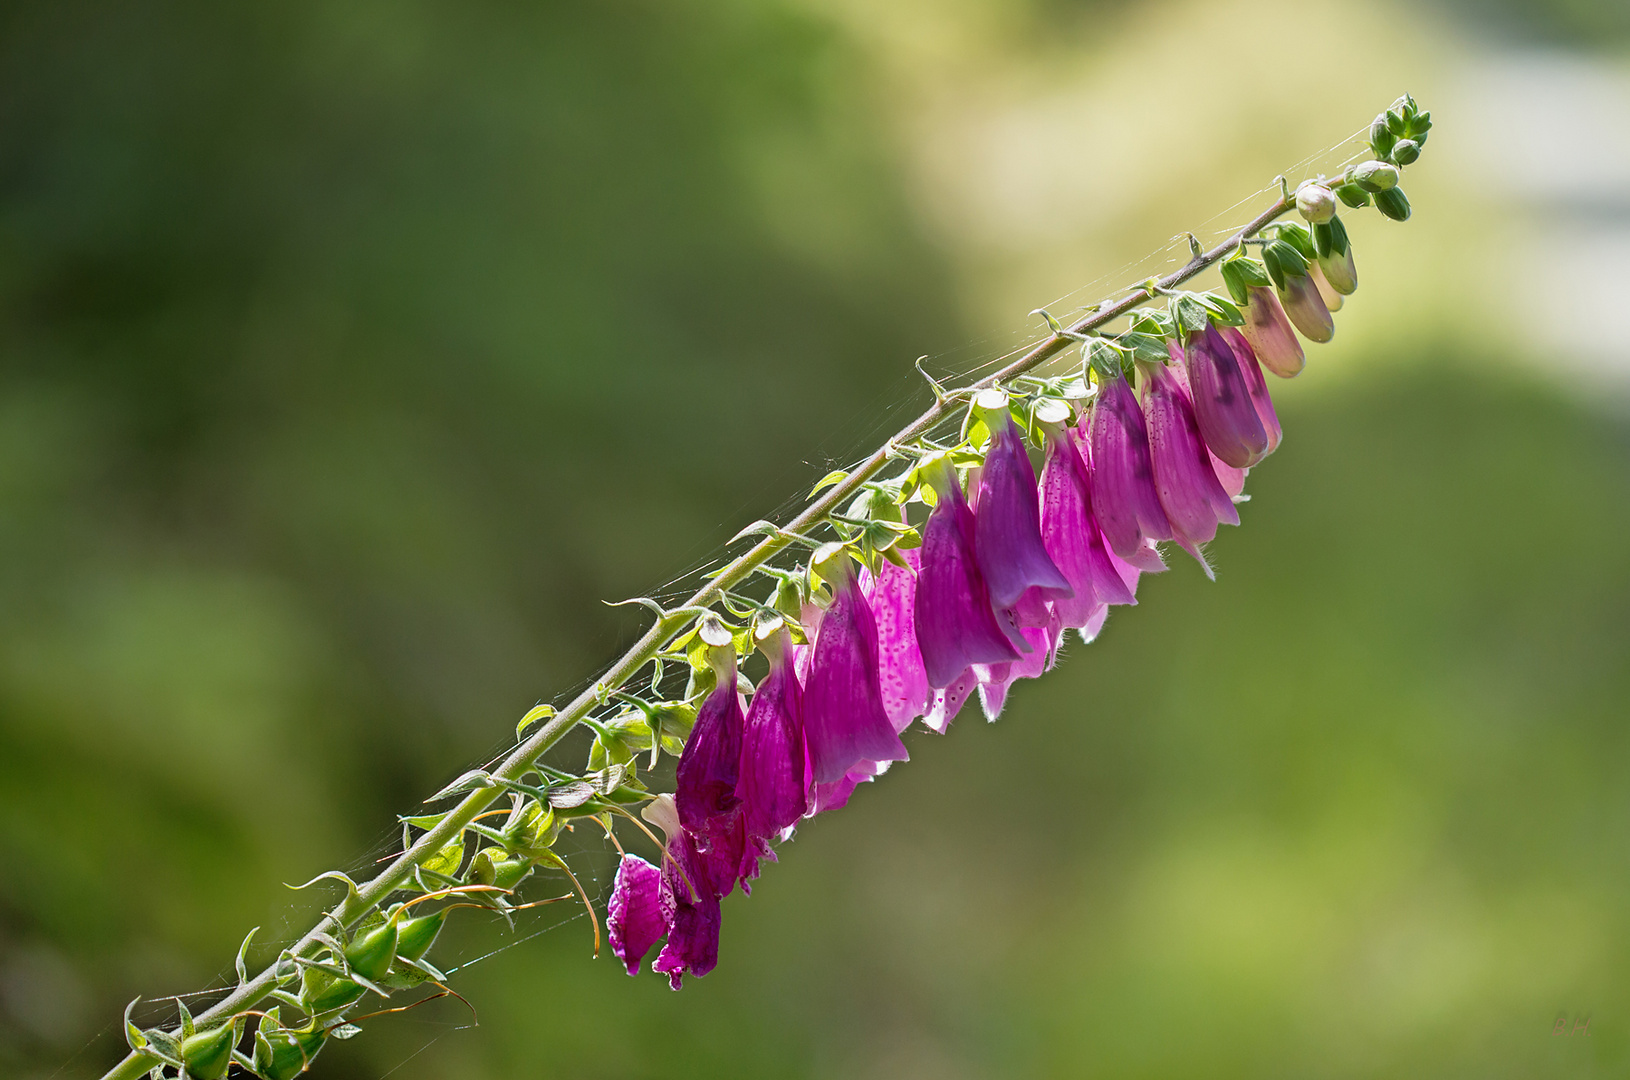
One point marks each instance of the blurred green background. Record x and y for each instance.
(351, 353)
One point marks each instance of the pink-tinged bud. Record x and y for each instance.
(956, 624)
(844, 719)
(1223, 408)
(772, 785)
(1269, 332)
(1071, 534)
(1307, 309)
(1123, 480)
(1332, 299)
(634, 914)
(1256, 386)
(1007, 526)
(1190, 492)
(1316, 203)
(1340, 271)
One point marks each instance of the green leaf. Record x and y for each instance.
(448, 859)
(241, 963)
(533, 715)
(834, 477)
(469, 781)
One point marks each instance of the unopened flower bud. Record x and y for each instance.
(208, 1054)
(1353, 195)
(1316, 203)
(1393, 203)
(1306, 309)
(1381, 136)
(1332, 299)
(1406, 152)
(1375, 176)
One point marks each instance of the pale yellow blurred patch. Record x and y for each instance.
(1059, 167)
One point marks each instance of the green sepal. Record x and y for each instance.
(164, 1046)
(446, 861)
(1189, 313)
(1145, 348)
(1283, 261)
(322, 991)
(370, 954)
(1221, 310)
(1393, 203)
(1297, 236)
(1353, 195)
(133, 1034)
(207, 1055)
(285, 1054)
(416, 935)
(1105, 358)
(188, 1026)
(1239, 274)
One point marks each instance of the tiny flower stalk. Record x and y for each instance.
(959, 590)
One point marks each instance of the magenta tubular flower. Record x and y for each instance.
(955, 622)
(1222, 405)
(1071, 534)
(835, 795)
(1306, 308)
(1255, 385)
(946, 702)
(844, 719)
(1007, 525)
(634, 913)
(1190, 492)
(772, 780)
(1269, 332)
(709, 767)
(996, 679)
(692, 917)
(901, 676)
(1123, 480)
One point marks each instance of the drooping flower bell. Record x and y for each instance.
(1270, 333)
(691, 910)
(709, 767)
(634, 920)
(1123, 480)
(772, 785)
(1007, 526)
(956, 622)
(1223, 407)
(1193, 497)
(892, 594)
(1071, 534)
(1255, 385)
(844, 719)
